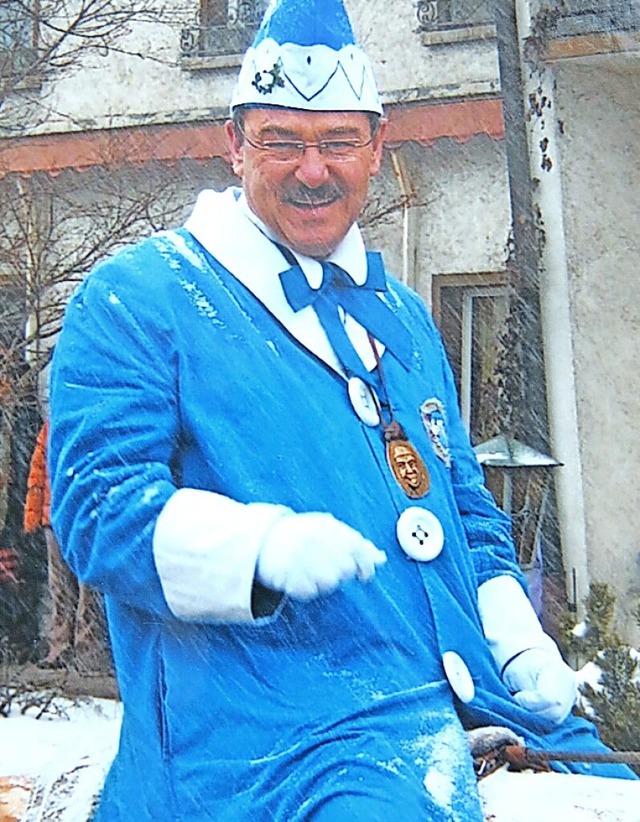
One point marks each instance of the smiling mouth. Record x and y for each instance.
(310, 200)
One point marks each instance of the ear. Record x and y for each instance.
(378, 140)
(236, 148)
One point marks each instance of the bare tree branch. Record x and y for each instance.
(55, 34)
(52, 232)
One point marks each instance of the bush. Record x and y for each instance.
(613, 702)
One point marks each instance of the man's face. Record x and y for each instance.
(407, 466)
(310, 202)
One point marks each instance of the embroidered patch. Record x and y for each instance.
(434, 420)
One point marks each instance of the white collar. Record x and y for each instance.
(225, 225)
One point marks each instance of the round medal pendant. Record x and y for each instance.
(408, 468)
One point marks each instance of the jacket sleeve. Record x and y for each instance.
(124, 525)
(112, 429)
(487, 527)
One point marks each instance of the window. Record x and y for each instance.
(214, 12)
(18, 36)
(226, 28)
(471, 311)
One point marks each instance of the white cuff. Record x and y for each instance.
(205, 547)
(509, 622)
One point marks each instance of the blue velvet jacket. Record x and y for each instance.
(169, 373)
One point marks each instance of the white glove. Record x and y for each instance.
(528, 659)
(542, 682)
(304, 555)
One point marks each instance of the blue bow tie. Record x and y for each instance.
(361, 302)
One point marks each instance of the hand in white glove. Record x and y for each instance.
(304, 555)
(542, 682)
(529, 660)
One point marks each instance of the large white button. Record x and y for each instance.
(420, 534)
(364, 401)
(458, 675)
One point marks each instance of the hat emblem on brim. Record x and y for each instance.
(266, 81)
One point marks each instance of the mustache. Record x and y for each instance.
(301, 195)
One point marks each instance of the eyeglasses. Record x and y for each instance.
(289, 151)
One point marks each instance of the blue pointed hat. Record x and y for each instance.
(305, 56)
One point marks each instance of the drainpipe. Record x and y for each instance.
(32, 349)
(546, 178)
(408, 221)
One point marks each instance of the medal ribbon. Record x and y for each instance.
(398, 449)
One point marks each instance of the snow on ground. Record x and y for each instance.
(51, 770)
(63, 758)
(554, 797)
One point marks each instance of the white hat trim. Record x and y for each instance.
(339, 81)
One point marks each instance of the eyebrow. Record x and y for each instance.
(285, 133)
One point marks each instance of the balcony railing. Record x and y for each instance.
(243, 19)
(214, 41)
(435, 15)
(561, 17)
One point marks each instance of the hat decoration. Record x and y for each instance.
(305, 56)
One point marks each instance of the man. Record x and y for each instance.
(298, 632)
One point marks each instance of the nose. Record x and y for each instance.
(312, 168)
